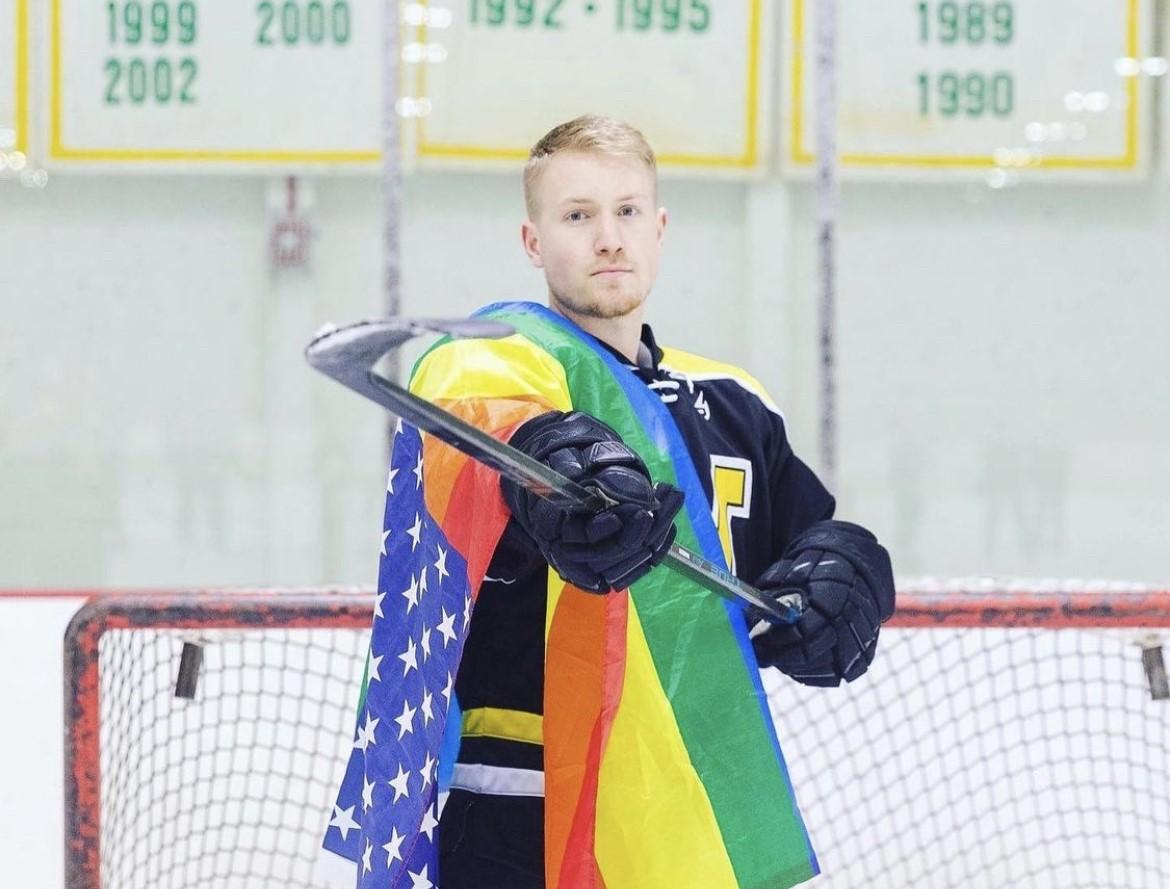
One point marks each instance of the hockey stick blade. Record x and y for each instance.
(348, 355)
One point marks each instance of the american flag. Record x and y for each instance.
(385, 819)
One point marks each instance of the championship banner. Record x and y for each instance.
(933, 87)
(693, 75)
(268, 84)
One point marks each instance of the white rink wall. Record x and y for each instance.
(1002, 367)
(1002, 373)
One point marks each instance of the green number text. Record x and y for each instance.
(137, 81)
(973, 23)
(663, 15)
(951, 94)
(292, 23)
(131, 22)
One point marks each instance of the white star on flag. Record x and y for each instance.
(410, 594)
(366, 733)
(429, 824)
(393, 848)
(418, 471)
(393, 816)
(406, 720)
(466, 612)
(415, 531)
(409, 657)
(367, 793)
(398, 782)
(447, 627)
(343, 820)
(425, 772)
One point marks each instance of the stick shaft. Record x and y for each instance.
(349, 354)
(546, 482)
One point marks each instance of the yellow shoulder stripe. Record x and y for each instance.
(698, 368)
(511, 725)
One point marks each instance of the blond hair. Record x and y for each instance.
(590, 134)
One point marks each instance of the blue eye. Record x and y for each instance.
(575, 215)
(632, 210)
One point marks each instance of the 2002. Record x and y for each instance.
(159, 80)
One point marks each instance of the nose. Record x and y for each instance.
(608, 239)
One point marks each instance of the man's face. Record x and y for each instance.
(596, 233)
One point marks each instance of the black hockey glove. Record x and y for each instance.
(845, 578)
(595, 551)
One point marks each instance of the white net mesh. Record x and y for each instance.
(233, 788)
(987, 757)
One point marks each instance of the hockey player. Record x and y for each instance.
(595, 230)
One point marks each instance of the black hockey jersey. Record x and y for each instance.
(761, 496)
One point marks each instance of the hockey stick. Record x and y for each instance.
(349, 354)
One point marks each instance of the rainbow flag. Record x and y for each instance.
(662, 766)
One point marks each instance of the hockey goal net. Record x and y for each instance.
(1004, 737)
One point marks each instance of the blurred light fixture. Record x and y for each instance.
(1127, 67)
(419, 14)
(997, 178)
(34, 178)
(1015, 157)
(1057, 131)
(1095, 101)
(16, 161)
(1155, 66)
(431, 53)
(408, 106)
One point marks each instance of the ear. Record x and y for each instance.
(661, 224)
(531, 242)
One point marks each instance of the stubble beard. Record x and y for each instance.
(605, 306)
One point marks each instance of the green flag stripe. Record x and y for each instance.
(696, 652)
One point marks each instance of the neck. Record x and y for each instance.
(623, 333)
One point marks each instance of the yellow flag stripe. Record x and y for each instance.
(648, 788)
(512, 367)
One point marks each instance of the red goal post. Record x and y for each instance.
(1006, 735)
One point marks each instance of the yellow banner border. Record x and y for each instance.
(59, 151)
(800, 155)
(20, 60)
(748, 159)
